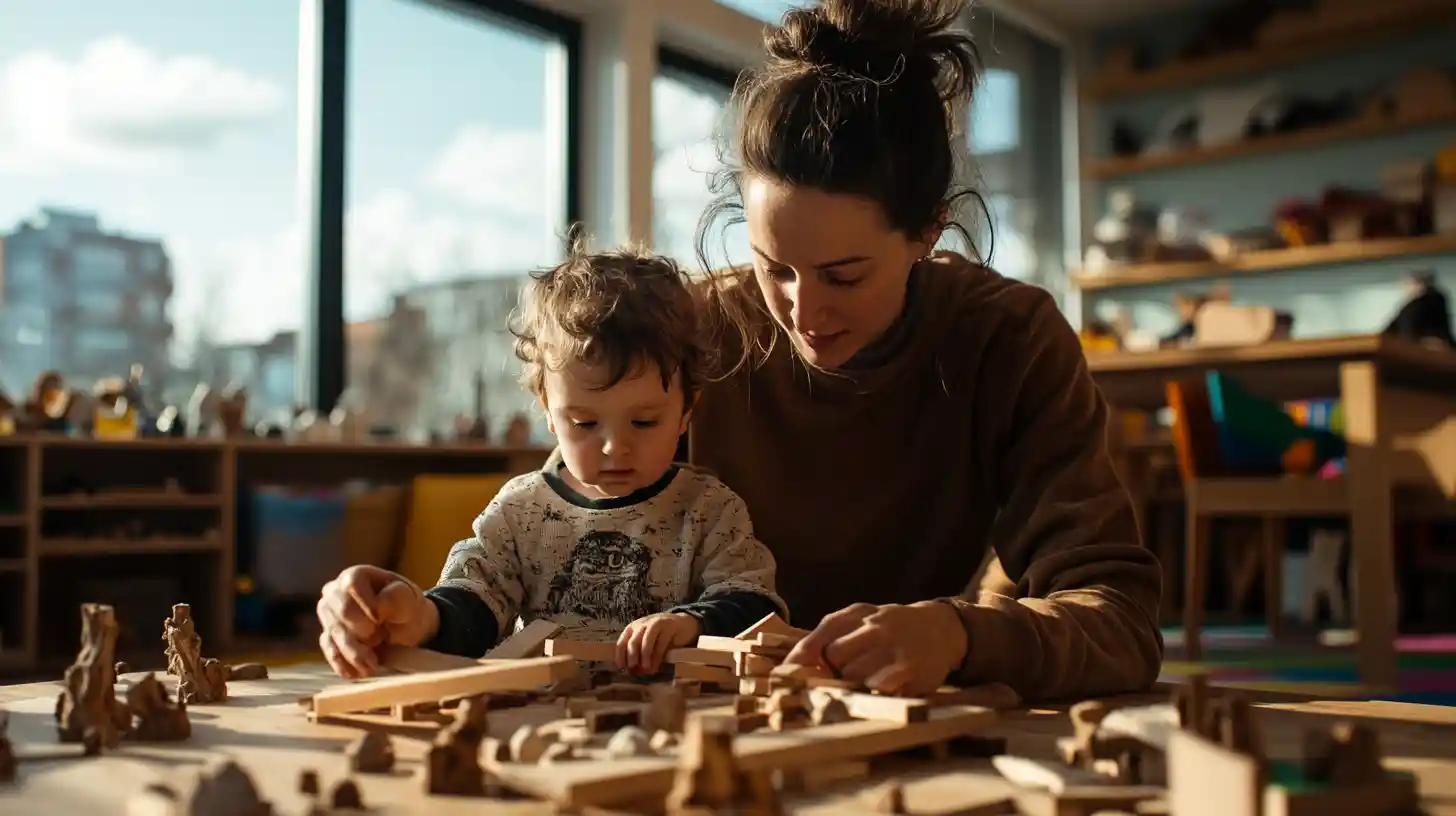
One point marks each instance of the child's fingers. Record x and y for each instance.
(638, 648)
(654, 644)
(623, 660)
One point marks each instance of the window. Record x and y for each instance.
(457, 188)
(147, 149)
(689, 103)
(98, 304)
(1015, 144)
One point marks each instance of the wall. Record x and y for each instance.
(1244, 192)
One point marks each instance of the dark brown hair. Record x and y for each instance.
(861, 97)
(623, 309)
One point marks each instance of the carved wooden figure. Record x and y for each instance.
(157, 718)
(372, 753)
(452, 767)
(198, 680)
(87, 710)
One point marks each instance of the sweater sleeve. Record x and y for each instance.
(480, 591)
(1083, 619)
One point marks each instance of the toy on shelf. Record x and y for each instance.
(1425, 317)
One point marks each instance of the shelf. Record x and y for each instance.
(1271, 261)
(1298, 140)
(121, 546)
(1403, 20)
(12, 520)
(139, 500)
(12, 565)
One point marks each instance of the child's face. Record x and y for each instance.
(619, 439)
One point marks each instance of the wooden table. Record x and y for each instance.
(1392, 392)
(264, 729)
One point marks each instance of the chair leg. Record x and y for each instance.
(1274, 532)
(1195, 575)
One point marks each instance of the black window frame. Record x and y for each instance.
(323, 372)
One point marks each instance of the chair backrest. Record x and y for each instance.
(1195, 434)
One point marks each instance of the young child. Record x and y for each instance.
(612, 539)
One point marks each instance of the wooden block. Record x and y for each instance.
(689, 686)
(752, 665)
(865, 706)
(728, 644)
(816, 778)
(609, 718)
(515, 675)
(998, 696)
(774, 640)
(1206, 779)
(414, 660)
(581, 650)
(607, 653)
(752, 721)
(529, 642)
(706, 674)
(640, 779)
(774, 624)
(754, 686)
(834, 683)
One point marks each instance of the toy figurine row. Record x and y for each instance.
(116, 408)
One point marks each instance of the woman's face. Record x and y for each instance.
(832, 269)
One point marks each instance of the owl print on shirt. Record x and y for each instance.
(605, 577)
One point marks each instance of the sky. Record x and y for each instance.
(182, 126)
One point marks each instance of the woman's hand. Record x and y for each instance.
(893, 649)
(645, 641)
(366, 607)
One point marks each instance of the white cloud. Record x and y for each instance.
(506, 171)
(243, 289)
(120, 106)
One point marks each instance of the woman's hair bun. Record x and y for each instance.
(880, 40)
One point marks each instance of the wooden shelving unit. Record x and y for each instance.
(1271, 261)
(1299, 140)
(146, 523)
(1399, 20)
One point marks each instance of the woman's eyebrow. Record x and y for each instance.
(823, 266)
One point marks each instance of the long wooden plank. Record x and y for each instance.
(514, 675)
(413, 660)
(607, 653)
(623, 781)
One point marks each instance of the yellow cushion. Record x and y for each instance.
(441, 511)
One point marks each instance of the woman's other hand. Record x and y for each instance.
(894, 649)
(365, 608)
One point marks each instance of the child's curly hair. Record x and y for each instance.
(621, 309)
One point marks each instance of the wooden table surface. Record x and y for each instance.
(266, 731)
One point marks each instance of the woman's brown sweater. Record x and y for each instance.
(974, 425)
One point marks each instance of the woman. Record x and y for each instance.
(899, 413)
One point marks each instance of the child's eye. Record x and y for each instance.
(588, 424)
(844, 282)
(644, 423)
(781, 273)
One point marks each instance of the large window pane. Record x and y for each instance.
(1015, 145)
(689, 113)
(147, 207)
(456, 190)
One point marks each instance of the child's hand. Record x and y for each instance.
(645, 641)
(366, 607)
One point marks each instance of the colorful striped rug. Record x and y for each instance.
(1246, 657)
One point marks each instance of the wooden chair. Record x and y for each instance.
(1213, 491)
